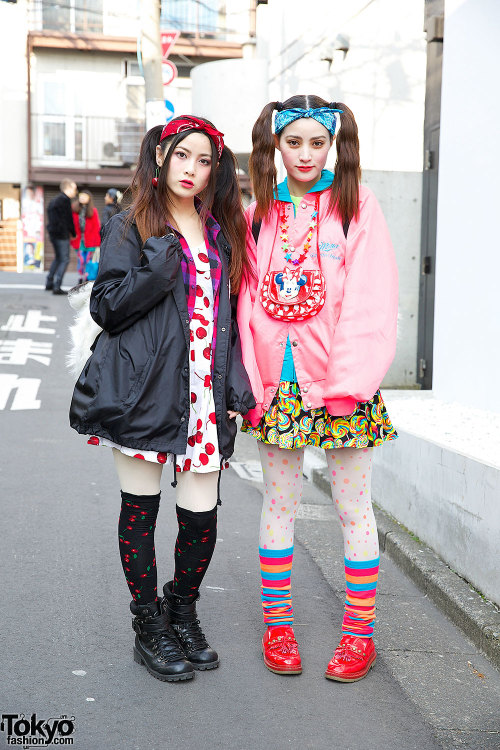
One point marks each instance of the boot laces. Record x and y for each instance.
(191, 635)
(166, 648)
(163, 641)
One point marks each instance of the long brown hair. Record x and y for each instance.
(344, 194)
(89, 207)
(150, 205)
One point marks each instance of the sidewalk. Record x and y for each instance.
(438, 665)
(476, 616)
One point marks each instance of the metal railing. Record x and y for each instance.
(84, 17)
(193, 18)
(67, 141)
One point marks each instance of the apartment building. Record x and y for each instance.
(78, 104)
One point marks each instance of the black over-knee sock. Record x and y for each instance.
(136, 537)
(194, 549)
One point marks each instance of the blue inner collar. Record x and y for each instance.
(325, 181)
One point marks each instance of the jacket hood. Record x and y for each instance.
(324, 182)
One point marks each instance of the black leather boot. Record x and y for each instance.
(156, 645)
(182, 615)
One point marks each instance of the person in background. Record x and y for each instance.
(88, 232)
(60, 228)
(111, 204)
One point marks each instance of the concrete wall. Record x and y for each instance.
(400, 196)
(467, 322)
(447, 499)
(13, 93)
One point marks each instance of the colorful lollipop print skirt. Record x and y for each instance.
(288, 424)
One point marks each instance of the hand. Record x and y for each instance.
(233, 414)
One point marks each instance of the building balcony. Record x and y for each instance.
(84, 17)
(93, 25)
(89, 148)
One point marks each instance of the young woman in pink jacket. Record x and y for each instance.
(318, 328)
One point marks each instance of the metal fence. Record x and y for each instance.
(191, 17)
(68, 16)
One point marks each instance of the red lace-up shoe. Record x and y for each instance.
(352, 660)
(281, 652)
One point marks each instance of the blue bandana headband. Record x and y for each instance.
(323, 115)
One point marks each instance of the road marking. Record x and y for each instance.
(21, 286)
(26, 390)
(29, 323)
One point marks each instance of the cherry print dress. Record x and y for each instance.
(202, 452)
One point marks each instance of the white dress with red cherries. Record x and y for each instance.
(202, 453)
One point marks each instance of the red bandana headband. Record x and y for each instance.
(193, 123)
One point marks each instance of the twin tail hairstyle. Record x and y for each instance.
(344, 194)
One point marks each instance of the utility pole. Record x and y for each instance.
(151, 62)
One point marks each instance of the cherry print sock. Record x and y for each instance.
(350, 476)
(136, 529)
(283, 481)
(193, 549)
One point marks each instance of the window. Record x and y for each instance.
(191, 15)
(54, 138)
(74, 16)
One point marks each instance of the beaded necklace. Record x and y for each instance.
(286, 245)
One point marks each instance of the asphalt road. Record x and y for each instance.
(65, 623)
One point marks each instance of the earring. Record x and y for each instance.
(154, 181)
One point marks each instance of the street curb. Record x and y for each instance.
(478, 618)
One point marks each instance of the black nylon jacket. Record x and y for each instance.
(134, 389)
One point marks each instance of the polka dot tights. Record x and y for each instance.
(282, 470)
(349, 471)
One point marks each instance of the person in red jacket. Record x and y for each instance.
(88, 233)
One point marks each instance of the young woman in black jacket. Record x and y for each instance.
(165, 380)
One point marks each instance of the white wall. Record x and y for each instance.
(120, 17)
(246, 80)
(467, 320)
(382, 78)
(13, 93)
(91, 85)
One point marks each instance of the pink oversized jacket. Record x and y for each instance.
(342, 354)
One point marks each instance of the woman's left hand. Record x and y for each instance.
(233, 414)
